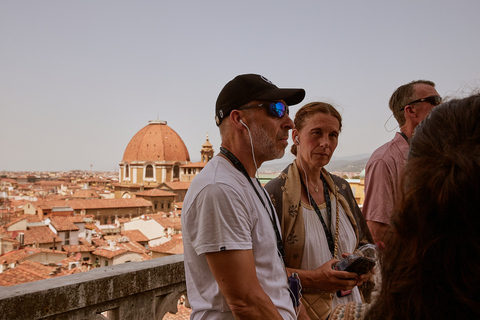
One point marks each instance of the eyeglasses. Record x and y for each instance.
(275, 109)
(433, 100)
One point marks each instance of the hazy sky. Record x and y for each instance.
(78, 79)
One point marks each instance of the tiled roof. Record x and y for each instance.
(78, 248)
(11, 223)
(178, 185)
(135, 235)
(52, 183)
(65, 223)
(174, 246)
(156, 193)
(156, 142)
(175, 223)
(40, 235)
(83, 204)
(104, 248)
(27, 271)
(86, 194)
(93, 226)
(107, 253)
(25, 253)
(199, 164)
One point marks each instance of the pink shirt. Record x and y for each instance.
(381, 178)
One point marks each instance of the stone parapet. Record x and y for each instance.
(135, 290)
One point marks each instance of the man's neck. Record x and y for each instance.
(407, 129)
(245, 157)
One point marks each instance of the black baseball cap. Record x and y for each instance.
(248, 87)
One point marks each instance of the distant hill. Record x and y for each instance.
(355, 163)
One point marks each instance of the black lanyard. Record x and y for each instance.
(237, 164)
(328, 203)
(404, 136)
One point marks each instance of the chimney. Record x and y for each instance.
(21, 238)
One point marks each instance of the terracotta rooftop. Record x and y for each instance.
(156, 142)
(85, 247)
(11, 223)
(86, 194)
(178, 185)
(107, 253)
(83, 204)
(174, 246)
(24, 254)
(65, 223)
(40, 235)
(156, 193)
(135, 235)
(199, 164)
(175, 223)
(26, 271)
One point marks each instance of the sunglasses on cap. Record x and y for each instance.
(433, 100)
(275, 109)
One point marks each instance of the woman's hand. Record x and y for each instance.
(364, 277)
(327, 279)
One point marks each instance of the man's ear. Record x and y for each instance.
(236, 117)
(410, 112)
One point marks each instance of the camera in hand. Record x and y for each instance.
(355, 263)
(362, 261)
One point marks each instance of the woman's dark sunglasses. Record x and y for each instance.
(433, 100)
(275, 109)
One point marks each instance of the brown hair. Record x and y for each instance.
(403, 95)
(431, 261)
(308, 110)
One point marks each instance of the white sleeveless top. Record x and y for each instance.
(316, 251)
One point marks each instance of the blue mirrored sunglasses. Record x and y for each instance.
(275, 109)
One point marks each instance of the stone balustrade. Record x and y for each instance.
(135, 290)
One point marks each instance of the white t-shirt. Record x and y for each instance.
(221, 211)
(316, 251)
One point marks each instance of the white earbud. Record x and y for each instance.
(243, 123)
(296, 138)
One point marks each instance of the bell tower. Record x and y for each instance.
(207, 151)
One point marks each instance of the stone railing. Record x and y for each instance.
(135, 290)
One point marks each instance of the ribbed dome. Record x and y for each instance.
(156, 142)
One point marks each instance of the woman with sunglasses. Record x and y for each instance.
(320, 219)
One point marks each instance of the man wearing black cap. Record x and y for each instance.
(232, 243)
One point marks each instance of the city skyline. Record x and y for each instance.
(80, 79)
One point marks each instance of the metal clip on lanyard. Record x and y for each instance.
(237, 164)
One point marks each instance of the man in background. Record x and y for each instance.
(410, 104)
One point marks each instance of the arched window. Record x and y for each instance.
(149, 171)
(127, 171)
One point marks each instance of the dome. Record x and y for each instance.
(362, 174)
(156, 142)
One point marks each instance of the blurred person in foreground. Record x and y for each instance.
(319, 216)
(431, 260)
(410, 104)
(231, 237)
